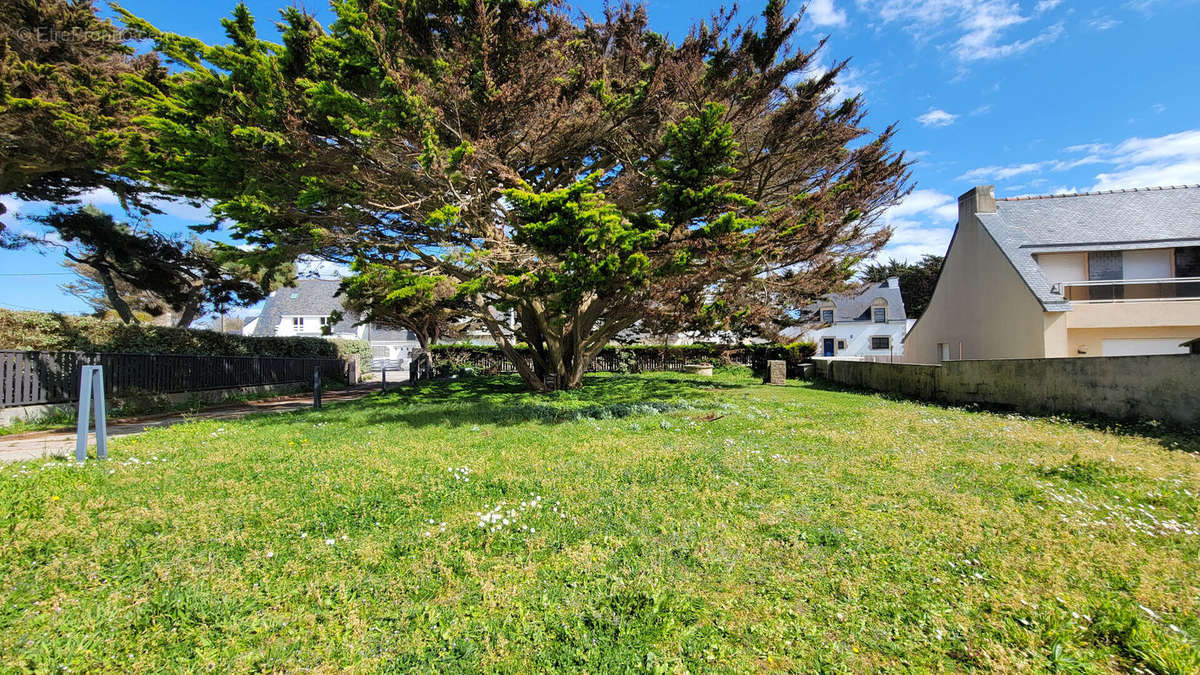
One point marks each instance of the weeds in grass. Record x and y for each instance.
(655, 522)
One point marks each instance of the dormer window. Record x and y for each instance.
(827, 315)
(879, 311)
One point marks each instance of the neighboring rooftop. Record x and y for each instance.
(857, 306)
(1093, 221)
(309, 297)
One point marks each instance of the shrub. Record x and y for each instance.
(489, 359)
(358, 349)
(41, 331)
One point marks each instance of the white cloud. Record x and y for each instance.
(100, 198)
(998, 173)
(1046, 5)
(936, 117)
(1172, 159)
(823, 13)
(1185, 144)
(922, 223)
(942, 206)
(981, 26)
(1151, 175)
(1103, 23)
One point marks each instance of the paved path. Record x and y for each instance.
(39, 444)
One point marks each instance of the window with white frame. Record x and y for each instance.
(324, 321)
(827, 315)
(879, 314)
(881, 342)
(298, 322)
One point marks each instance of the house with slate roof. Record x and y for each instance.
(870, 323)
(304, 310)
(1096, 274)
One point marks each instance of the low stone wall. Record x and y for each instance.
(33, 413)
(1165, 388)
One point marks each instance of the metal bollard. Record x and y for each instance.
(91, 395)
(316, 388)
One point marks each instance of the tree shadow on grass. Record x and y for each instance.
(1169, 436)
(506, 400)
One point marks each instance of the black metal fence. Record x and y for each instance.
(30, 378)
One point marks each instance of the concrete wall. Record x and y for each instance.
(980, 302)
(1165, 387)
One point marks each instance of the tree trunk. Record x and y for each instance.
(114, 297)
(188, 315)
(426, 355)
(527, 374)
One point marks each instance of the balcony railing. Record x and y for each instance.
(1132, 290)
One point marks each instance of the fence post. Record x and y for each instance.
(383, 382)
(316, 387)
(91, 394)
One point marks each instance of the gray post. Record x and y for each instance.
(317, 388)
(91, 394)
(383, 382)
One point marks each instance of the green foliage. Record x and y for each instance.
(60, 332)
(598, 250)
(917, 280)
(69, 88)
(397, 297)
(641, 358)
(161, 273)
(356, 349)
(587, 176)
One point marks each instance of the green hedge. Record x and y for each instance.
(61, 332)
(359, 349)
(484, 358)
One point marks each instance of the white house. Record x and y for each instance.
(303, 310)
(871, 323)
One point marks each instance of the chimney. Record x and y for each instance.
(893, 282)
(979, 199)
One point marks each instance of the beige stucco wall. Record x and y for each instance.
(1056, 338)
(980, 302)
(1144, 313)
(1091, 339)
(1126, 387)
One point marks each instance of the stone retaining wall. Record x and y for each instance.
(1165, 388)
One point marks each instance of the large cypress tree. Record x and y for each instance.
(588, 175)
(69, 83)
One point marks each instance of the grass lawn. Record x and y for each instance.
(658, 522)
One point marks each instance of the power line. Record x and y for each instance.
(12, 306)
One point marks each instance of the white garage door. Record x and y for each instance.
(1143, 347)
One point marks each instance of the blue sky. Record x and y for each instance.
(1034, 96)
